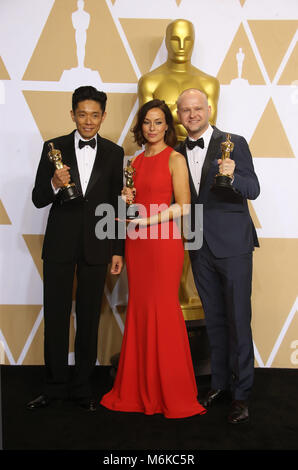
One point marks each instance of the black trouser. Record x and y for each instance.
(58, 296)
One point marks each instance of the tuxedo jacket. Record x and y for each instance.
(227, 225)
(71, 225)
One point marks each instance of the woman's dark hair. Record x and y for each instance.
(89, 93)
(170, 135)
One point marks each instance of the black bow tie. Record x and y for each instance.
(191, 144)
(91, 142)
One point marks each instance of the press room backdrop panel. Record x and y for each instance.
(39, 59)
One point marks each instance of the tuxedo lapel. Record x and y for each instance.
(97, 169)
(183, 151)
(69, 158)
(212, 151)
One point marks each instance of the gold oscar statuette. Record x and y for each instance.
(132, 209)
(177, 74)
(69, 191)
(223, 181)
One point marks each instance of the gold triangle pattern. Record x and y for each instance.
(35, 353)
(288, 349)
(250, 68)
(4, 219)
(269, 138)
(144, 35)
(34, 244)
(3, 72)
(289, 74)
(254, 215)
(274, 285)
(273, 38)
(49, 59)
(3, 356)
(24, 316)
(110, 57)
(119, 107)
(129, 144)
(51, 112)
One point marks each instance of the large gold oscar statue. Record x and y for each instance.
(166, 83)
(177, 74)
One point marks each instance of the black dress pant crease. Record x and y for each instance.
(58, 298)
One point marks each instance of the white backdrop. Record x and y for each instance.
(124, 40)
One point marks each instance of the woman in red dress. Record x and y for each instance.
(155, 372)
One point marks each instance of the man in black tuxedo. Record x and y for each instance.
(71, 246)
(222, 267)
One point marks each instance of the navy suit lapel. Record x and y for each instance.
(182, 150)
(213, 147)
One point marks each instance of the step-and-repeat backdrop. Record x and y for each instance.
(49, 47)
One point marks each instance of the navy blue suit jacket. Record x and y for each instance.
(227, 225)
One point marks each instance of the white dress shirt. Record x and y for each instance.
(85, 160)
(196, 158)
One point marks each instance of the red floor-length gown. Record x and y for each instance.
(155, 371)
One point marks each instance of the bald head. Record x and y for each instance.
(191, 93)
(193, 111)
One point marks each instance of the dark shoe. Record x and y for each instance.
(239, 412)
(40, 402)
(213, 396)
(88, 405)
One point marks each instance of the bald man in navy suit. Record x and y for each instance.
(222, 267)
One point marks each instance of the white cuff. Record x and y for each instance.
(54, 189)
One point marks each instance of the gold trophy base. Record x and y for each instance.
(69, 192)
(192, 311)
(132, 212)
(223, 182)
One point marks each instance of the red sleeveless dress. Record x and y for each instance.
(155, 371)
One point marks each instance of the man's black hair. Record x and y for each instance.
(89, 93)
